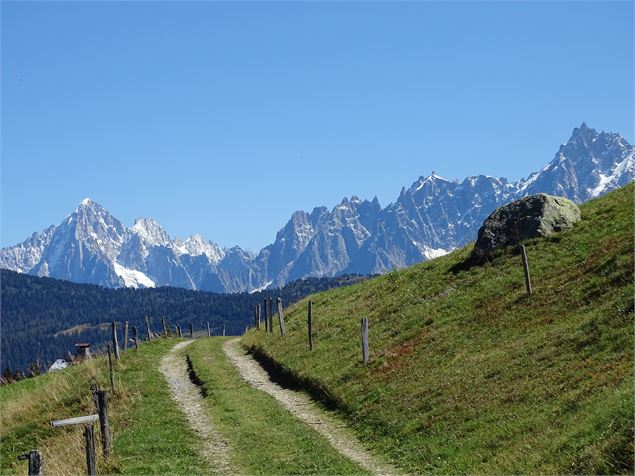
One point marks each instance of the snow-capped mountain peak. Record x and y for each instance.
(196, 245)
(152, 232)
(431, 217)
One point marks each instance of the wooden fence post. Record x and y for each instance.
(258, 314)
(115, 343)
(165, 328)
(125, 336)
(264, 312)
(523, 255)
(256, 321)
(365, 339)
(280, 316)
(94, 389)
(223, 330)
(104, 427)
(111, 371)
(135, 336)
(90, 450)
(180, 334)
(191, 330)
(209, 331)
(35, 462)
(148, 328)
(309, 323)
(270, 314)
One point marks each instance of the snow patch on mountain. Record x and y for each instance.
(133, 278)
(261, 288)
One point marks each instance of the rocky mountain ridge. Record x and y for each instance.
(430, 218)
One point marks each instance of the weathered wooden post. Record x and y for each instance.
(270, 314)
(309, 322)
(223, 330)
(365, 339)
(165, 328)
(104, 427)
(191, 330)
(209, 331)
(135, 336)
(90, 450)
(180, 332)
(523, 255)
(258, 315)
(125, 336)
(280, 316)
(148, 328)
(94, 389)
(256, 323)
(115, 343)
(111, 371)
(35, 462)
(264, 311)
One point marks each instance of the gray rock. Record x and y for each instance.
(530, 217)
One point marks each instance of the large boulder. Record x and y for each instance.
(529, 217)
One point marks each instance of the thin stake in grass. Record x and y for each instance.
(90, 450)
(115, 343)
(365, 339)
(35, 462)
(523, 256)
(104, 427)
(148, 328)
(125, 336)
(309, 322)
(280, 316)
(270, 314)
(111, 371)
(135, 336)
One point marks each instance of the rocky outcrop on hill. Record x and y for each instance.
(529, 217)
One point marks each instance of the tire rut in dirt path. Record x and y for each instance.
(301, 406)
(187, 395)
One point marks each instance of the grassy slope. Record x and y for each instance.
(149, 435)
(264, 438)
(468, 373)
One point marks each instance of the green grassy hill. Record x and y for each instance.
(469, 374)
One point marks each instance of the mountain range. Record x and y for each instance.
(430, 218)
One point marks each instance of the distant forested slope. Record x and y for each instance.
(43, 317)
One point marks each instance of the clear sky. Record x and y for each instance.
(224, 118)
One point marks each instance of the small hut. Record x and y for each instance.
(82, 351)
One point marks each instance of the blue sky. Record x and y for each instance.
(224, 118)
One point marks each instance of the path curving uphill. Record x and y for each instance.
(214, 449)
(301, 406)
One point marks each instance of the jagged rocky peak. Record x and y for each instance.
(430, 184)
(583, 134)
(196, 245)
(151, 232)
(92, 223)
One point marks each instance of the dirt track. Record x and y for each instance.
(214, 449)
(304, 409)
